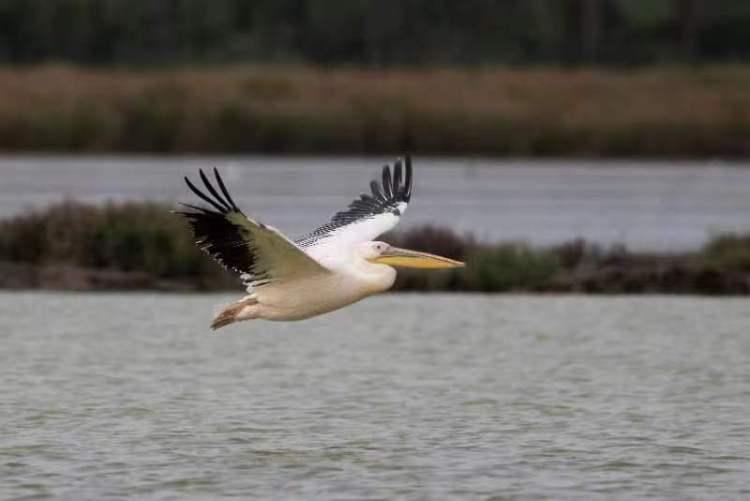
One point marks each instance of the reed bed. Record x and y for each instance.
(664, 112)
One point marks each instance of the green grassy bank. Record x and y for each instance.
(144, 246)
(656, 112)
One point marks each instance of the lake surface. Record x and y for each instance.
(646, 205)
(114, 396)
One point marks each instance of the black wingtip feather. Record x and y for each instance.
(408, 180)
(201, 195)
(375, 188)
(397, 177)
(387, 182)
(224, 190)
(194, 208)
(221, 236)
(224, 204)
(212, 191)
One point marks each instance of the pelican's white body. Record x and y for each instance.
(299, 297)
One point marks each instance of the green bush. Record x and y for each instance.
(143, 237)
(729, 252)
(510, 267)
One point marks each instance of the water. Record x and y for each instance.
(646, 205)
(113, 396)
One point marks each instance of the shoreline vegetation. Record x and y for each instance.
(143, 246)
(671, 111)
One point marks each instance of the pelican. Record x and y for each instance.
(333, 266)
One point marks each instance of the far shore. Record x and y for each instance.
(653, 112)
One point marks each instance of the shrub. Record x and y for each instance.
(729, 252)
(510, 267)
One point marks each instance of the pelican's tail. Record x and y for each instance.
(236, 312)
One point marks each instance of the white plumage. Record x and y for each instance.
(333, 266)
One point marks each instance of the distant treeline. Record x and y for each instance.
(75, 246)
(374, 32)
(654, 112)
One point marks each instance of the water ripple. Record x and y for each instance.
(489, 397)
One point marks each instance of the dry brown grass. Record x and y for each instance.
(675, 111)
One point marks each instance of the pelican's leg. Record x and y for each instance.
(235, 312)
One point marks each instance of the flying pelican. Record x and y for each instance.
(335, 265)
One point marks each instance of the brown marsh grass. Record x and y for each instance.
(543, 111)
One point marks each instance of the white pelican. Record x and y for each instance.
(331, 267)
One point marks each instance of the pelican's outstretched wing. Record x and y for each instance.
(258, 252)
(370, 215)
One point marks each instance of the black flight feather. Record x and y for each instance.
(384, 199)
(387, 186)
(227, 242)
(224, 190)
(397, 177)
(375, 188)
(407, 183)
(201, 195)
(213, 192)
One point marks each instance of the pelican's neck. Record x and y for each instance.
(378, 277)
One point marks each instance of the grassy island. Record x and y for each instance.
(76, 246)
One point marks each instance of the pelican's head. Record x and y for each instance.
(383, 253)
